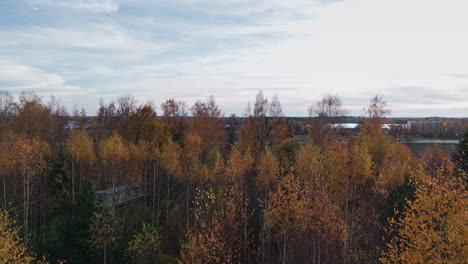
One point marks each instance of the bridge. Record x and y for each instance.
(122, 193)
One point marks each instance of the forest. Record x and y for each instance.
(139, 183)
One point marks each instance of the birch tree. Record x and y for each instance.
(80, 152)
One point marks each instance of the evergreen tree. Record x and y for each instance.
(460, 157)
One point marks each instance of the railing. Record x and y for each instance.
(120, 195)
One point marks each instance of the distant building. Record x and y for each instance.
(385, 127)
(73, 124)
(70, 125)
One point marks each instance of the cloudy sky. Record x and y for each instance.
(412, 52)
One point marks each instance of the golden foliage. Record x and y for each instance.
(193, 144)
(6, 156)
(215, 163)
(80, 148)
(217, 233)
(114, 149)
(247, 136)
(268, 170)
(433, 227)
(238, 165)
(170, 159)
(29, 156)
(12, 248)
(435, 160)
(104, 228)
(34, 118)
(296, 211)
(360, 164)
(208, 123)
(308, 165)
(394, 168)
(286, 210)
(335, 160)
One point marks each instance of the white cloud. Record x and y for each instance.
(298, 49)
(94, 40)
(104, 6)
(18, 78)
(352, 48)
(279, 9)
(100, 70)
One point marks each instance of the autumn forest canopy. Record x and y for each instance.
(140, 183)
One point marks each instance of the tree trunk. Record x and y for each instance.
(353, 219)
(159, 202)
(105, 255)
(346, 224)
(187, 204)
(25, 208)
(262, 241)
(80, 176)
(319, 254)
(246, 253)
(28, 186)
(146, 177)
(154, 189)
(73, 181)
(168, 197)
(4, 193)
(187, 198)
(284, 248)
(328, 253)
(113, 183)
(313, 252)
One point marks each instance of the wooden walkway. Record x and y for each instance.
(122, 194)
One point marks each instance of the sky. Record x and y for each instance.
(414, 53)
